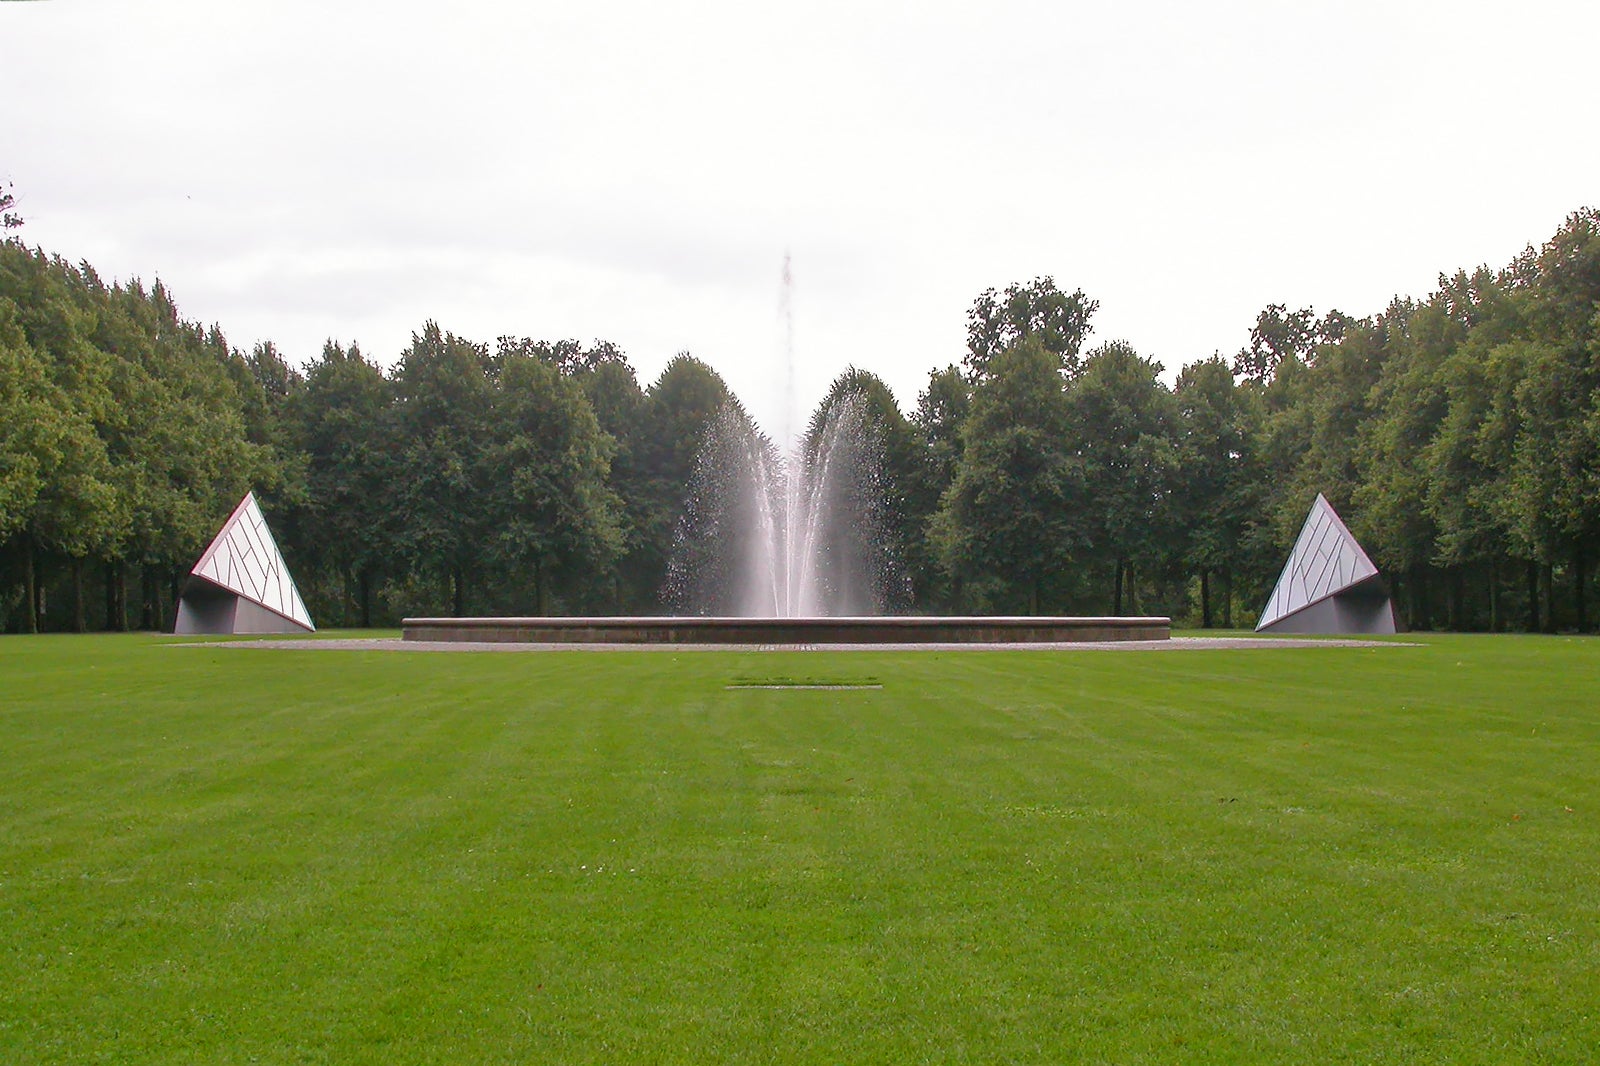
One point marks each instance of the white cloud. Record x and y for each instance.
(637, 171)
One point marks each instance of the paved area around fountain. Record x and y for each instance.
(1173, 644)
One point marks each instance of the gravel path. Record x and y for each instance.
(1175, 644)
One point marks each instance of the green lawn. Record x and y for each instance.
(213, 855)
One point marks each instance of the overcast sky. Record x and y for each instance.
(637, 171)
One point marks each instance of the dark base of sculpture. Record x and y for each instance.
(1363, 610)
(206, 609)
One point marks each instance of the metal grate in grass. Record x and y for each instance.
(822, 684)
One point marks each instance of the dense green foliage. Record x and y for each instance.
(1458, 435)
(1331, 855)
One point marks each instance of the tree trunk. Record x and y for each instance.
(30, 582)
(1205, 597)
(1227, 597)
(151, 584)
(347, 596)
(540, 594)
(154, 615)
(1455, 593)
(458, 594)
(1548, 596)
(1422, 589)
(365, 587)
(1033, 597)
(1531, 576)
(1425, 595)
(80, 610)
(145, 599)
(1580, 578)
(1116, 599)
(1416, 618)
(116, 596)
(1495, 621)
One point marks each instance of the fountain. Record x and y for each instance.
(787, 546)
(767, 534)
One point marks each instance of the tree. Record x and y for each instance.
(875, 462)
(553, 513)
(1552, 483)
(1314, 411)
(29, 433)
(443, 406)
(1559, 452)
(54, 493)
(1122, 421)
(1040, 310)
(568, 357)
(679, 408)
(1218, 492)
(1469, 462)
(61, 376)
(941, 410)
(157, 451)
(1464, 466)
(1008, 524)
(1281, 334)
(1376, 404)
(619, 407)
(9, 218)
(344, 428)
(618, 403)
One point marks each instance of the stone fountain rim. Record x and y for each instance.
(696, 629)
(710, 619)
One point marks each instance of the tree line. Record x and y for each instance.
(1458, 435)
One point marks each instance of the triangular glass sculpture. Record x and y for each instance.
(1329, 585)
(242, 560)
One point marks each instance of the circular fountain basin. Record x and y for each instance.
(870, 630)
